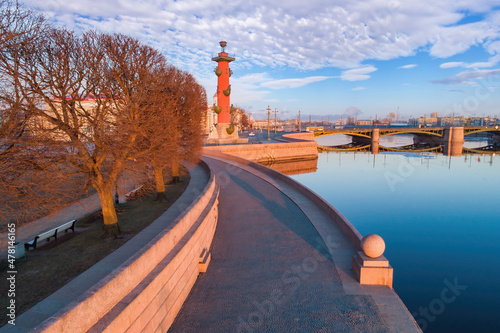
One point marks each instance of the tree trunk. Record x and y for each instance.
(175, 171)
(111, 227)
(160, 184)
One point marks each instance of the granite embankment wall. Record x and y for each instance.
(302, 136)
(142, 285)
(272, 152)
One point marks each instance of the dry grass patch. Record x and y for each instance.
(55, 263)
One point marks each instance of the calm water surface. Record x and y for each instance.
(440, 219)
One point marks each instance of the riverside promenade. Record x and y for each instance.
(280, 264)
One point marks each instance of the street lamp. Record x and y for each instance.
(275, 121)
(268, 124)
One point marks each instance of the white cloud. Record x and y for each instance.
(469, 77)
(451, 64)
(302, 35)
(480, 64)
(358, 88)
(453, 40)
(248, 88)
(408, 66)
(357, 74)
(305, 35)
(485, 64)
(293, 83)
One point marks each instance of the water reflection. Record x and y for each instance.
(439, 216)
(294, 167)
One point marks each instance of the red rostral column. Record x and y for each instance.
(223, 73)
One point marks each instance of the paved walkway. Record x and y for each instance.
(270, 270)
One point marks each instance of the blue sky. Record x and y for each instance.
(323, 57)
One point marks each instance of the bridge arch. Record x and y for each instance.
(472, 130)
(417, 131)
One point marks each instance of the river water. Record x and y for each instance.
(440, 219)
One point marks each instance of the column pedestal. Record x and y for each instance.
(374, 271)
(221, 135)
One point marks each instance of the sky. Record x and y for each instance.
(326, 58)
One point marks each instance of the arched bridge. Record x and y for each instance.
(432, 131)
(451, 138)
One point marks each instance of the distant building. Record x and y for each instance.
(259, 124)
(452, 121)
(87, 105)
(364, 122)
(209, 120)
(423, 122)
(399, 123)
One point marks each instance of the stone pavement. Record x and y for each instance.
(271, 271)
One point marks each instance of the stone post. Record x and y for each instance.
(369, 265)
(453, 141)
(375, 140)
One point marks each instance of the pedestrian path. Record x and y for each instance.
(271, 271)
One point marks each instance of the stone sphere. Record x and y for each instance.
(373, 245)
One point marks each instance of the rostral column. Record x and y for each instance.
(223, 107)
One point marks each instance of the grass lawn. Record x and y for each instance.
(53, 265)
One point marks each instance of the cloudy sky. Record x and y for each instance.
(323, 57)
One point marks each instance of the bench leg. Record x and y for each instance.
(27, 246)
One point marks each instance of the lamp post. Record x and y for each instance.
(268, 124)
(300, 129)
(275, 121)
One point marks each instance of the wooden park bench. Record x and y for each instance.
(47, 235)
(134, 193)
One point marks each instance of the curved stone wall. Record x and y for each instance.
(270, 152)
(142, 285)
(299, 136)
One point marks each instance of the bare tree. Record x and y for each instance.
(189, 112)
(158, 142)
(242, 118)
(26, 190)
(174, 134)
(80, 108)
(87, 96)
(18, 24)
